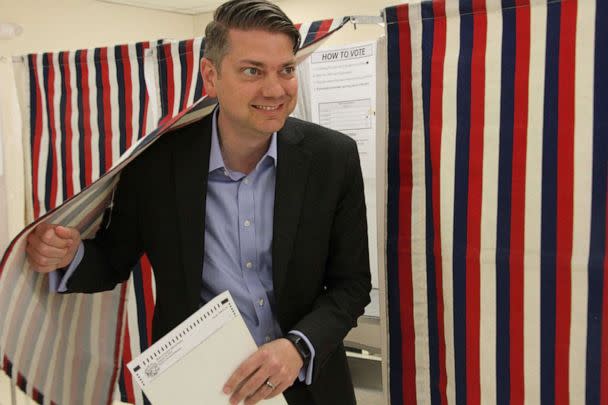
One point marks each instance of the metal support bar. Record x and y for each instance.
(366, 19)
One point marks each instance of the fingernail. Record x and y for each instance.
(226, 390)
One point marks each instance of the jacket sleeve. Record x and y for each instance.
(348, 280)
(116, 248)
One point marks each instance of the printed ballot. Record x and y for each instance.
(191, 363)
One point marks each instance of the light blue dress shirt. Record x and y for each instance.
(238, 238)
(238, 243)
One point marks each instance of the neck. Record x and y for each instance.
(241, 152)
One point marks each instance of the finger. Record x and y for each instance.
(246, 369)
(277, 390)
(252, 385)
(40, 264)
(263, 392)
(64, 232)
(43, 227)
(45, 250)
(40, 259)
(239, 387)
(38, 268)
(50, 237)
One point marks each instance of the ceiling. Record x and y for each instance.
(175, 6)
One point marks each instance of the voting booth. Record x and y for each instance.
(481, 130)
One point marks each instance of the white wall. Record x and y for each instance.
(312, 10)
(75, 24)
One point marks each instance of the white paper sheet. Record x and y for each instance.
(191, 363)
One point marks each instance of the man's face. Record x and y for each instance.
(256, 84)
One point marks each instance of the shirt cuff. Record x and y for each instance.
(58, 280)
(306, 371)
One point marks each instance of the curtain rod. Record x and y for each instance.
(366, 19)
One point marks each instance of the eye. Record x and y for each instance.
(251, 71)
(289, 70)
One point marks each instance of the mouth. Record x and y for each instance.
(267, 107)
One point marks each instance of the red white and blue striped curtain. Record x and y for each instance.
(86, 108)
(67, 349)
(497, 197)
(312, 32)
(178, 74)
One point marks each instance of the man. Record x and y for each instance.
(249, 200)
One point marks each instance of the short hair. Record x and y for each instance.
(245, 15)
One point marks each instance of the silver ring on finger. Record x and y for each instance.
(269, 384)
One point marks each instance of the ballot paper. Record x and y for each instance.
(191, 363)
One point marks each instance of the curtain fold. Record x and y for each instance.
(82, 110)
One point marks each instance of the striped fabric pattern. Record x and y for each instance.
(497, 198)
(314, 31)
(66, 349)
(94, 130)
(86, 108)
(179, 79)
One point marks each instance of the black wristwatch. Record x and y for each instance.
(300, 346)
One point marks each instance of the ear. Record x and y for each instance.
(209, 74)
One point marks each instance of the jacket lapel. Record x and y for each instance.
(191, 163)
(292, 174)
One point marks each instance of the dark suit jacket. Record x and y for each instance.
(320, 254)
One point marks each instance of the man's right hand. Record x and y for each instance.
(51, 247)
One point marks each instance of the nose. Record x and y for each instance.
(273, 87)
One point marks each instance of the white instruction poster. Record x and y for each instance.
(341, 95)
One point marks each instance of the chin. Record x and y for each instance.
(272, 126)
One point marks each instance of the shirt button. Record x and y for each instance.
(246, 181)
(247, 222)
(261, 302)
(249, 265)
(268, 339)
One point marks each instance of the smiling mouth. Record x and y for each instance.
(267, 107)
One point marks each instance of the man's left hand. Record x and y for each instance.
(277, 362)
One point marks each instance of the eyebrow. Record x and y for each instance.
(260, 64)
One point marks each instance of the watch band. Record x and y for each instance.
(300, 346)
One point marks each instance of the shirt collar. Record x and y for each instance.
(216, 160)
